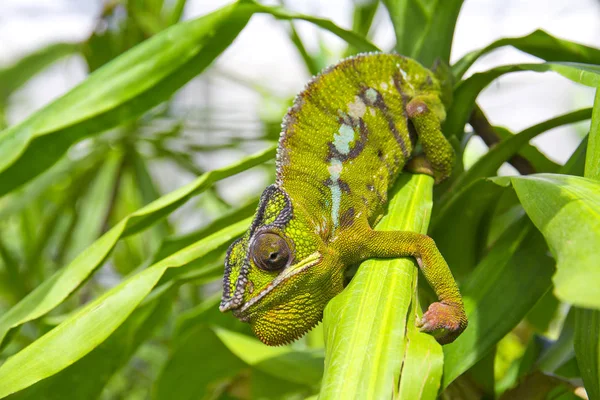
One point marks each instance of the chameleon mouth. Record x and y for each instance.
(243, 313)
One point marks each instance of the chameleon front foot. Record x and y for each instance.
(444, 321)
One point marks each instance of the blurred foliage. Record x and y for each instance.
(104, 295)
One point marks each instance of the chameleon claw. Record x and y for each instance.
(444, 321)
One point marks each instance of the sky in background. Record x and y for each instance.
(264, 55)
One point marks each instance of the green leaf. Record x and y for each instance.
(175, 243)
(565, 209)
(14, 76)
(265, 386)
(356, 40)
(131, 84)
(467, 91)
(304, 367)
(118, 92)
(462, 217)
(93, 206)
(207, 313)
(85, 330)
(575, 165)
(536, 158)
(592, 160)
(66, 172)
(424, 28)
(56, 289)
(537, 43)
(363, 14)
(176, 11)
(198, 363)
(365, 325)
(587, 349)
(423, 360)
(498, 294)
(489, 163)
(101, 363)
(537, 386)
(587, 322)
(562, 349)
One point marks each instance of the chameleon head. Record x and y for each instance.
(278, 276)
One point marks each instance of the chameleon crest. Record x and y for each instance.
(344, 142)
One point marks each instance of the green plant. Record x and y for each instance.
(69, 213)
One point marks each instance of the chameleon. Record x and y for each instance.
(347, 137)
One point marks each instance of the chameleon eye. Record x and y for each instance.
(270, 252)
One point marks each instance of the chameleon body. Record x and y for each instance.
(345, 140)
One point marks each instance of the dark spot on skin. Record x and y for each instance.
(380, 104)
(380, 154)
(370, 188)
(397, 79)
(344, 186)
(347, 218)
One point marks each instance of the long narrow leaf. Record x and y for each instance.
(565, 209)
(130, 85)
(587, 321)
(55, 290)
(120, 91)
(365, 325)
(352, 38)
(461, 217)
(84, 331)
(305, 367)
(498, 294)
(15, 75)
(587, 349)
(537, 43)
(424, 28)
(101, 363)
(467, 91)
(198, 362)
(423, 362)
(538, 160)
(489, 163)
(592, 159)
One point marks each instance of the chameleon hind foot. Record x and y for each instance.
(444, 321)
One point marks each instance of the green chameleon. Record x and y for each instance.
(345, 140)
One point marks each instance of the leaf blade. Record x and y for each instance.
(517, 270)
(564, 208)
(62, 346)
(53, 291)
(539, 44)
(365, 324)
(467, 90)
(117, 92)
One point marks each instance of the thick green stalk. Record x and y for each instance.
(368, 325)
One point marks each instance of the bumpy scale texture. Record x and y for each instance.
(344, 142)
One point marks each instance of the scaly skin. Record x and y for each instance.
(344, 142)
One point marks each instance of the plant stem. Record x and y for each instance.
(487, 133)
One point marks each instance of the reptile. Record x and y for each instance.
(348, 136)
